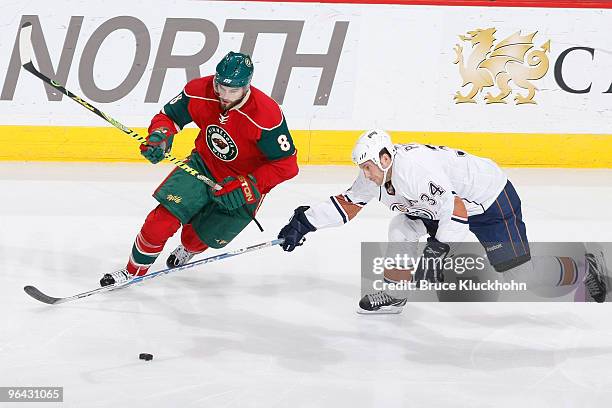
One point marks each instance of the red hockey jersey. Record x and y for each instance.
(250, 138)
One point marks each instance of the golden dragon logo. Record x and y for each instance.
(512, 59)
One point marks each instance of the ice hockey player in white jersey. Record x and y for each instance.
(441, 192)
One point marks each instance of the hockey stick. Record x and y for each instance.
(25, 51)
(50, 300)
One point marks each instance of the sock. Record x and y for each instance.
(158, 227)
(549, 271)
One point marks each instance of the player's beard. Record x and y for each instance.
(226, 104)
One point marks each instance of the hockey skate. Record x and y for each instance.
(596, 276)
(179, 257)
(117, 277)
(380, 303)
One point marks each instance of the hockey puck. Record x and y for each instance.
(146, 356)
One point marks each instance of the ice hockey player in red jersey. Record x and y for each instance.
(244, 145)
(440, 192)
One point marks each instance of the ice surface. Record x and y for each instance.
(271, 329)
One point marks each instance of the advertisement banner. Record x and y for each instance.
(448, 73)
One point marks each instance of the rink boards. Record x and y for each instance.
(537, 80)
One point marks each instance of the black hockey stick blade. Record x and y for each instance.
(25, 54)
(25, 43)
(41, 297)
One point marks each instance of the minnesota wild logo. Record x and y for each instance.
(220, 143)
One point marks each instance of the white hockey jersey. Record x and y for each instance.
(430, 182)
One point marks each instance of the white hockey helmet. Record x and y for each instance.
(370, 144)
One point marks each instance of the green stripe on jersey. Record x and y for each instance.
(276, 143)
(177, 110)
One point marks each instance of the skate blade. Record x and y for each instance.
(382, 310)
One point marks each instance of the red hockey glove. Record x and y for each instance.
(237, 191)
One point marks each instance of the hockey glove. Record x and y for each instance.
(237, 191)
(298, 226)
(431, 265)
(158, 143)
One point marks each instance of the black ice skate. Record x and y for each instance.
(117, 277)
(179, 257)
(380, 303)
(595, 278)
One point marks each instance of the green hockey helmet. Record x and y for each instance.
(235, 70)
